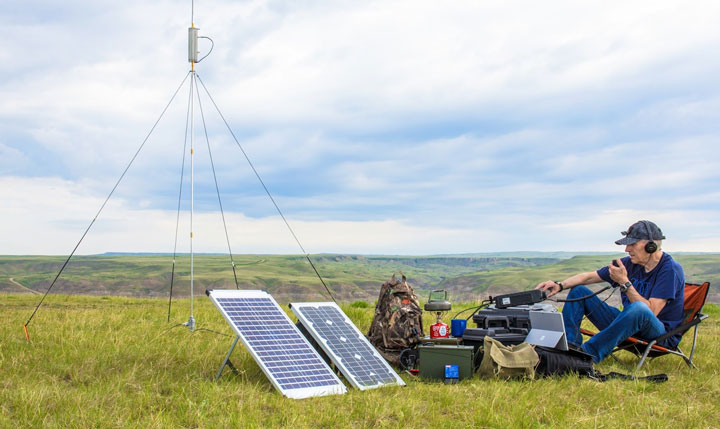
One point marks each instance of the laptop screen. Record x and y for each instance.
(547, 329)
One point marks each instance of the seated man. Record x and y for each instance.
(652, 286)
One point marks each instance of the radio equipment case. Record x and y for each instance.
(503, 318)
(433, 359)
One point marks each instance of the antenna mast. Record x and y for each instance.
(192, 58)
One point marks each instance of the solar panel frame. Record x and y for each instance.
(366, 357)
(273, 340)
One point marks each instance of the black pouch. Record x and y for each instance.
(555, 362)
(558, 362)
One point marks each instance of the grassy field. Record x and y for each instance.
(114, 362)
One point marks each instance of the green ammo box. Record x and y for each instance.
(433, 359)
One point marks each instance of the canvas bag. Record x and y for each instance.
(397, 323)
(505, 362)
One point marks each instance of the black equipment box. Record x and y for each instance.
(527, 297)
(509, 337)
(475, 337)
(503, 318)
(510, 326)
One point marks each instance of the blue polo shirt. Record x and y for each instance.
(665, 281)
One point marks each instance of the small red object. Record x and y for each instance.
(439, 330)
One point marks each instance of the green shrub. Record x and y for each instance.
(360, 304)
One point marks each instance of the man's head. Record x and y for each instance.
(640, 239)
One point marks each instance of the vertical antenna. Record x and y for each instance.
(191, 320)
(192, 58)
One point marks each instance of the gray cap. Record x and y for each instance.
(641, 230)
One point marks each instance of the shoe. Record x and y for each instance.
(575, 348)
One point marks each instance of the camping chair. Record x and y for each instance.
(695, 295)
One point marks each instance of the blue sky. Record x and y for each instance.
(410, 127)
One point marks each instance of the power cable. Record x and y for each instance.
(266, 189)
(583, 298)
(476, 309)
(27, 337)
(603, 301)
(212, 46)
(214, 332)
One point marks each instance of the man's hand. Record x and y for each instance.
(550, 287)
(618, 273)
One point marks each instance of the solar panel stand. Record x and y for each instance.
(303, 330)
(227, 362)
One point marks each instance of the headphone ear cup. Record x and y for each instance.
(651, 247)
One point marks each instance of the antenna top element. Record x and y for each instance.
(193, 44)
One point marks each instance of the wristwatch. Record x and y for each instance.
(625, 287)
(561, 286)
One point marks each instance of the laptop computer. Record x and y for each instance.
(547, 329)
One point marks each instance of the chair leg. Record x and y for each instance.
(645, 354)
(688, 360)
(692, 352)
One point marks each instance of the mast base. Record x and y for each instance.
(190, 323)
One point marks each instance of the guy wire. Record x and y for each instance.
(177, 220)
(217, 188)
(104, 203)
(266, 189)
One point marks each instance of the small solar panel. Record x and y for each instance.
(348, 348)
(286, 357)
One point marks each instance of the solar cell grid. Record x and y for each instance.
(286, 357)
(348, 348)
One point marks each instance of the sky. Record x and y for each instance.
(379, 127)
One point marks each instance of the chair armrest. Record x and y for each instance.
(682, 328)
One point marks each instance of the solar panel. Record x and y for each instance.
(286, 357)
(348, 348)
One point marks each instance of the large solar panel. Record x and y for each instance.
(348, 348)
(286, 357)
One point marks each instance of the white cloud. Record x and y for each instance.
(60, 211)
(458, 127)
(56, 216)
(11, 160)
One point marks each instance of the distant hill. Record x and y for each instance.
(516, 254)
(523, 254)
(351, 277)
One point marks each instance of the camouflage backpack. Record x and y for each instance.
(397, 324)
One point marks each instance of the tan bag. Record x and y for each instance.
(501, 361)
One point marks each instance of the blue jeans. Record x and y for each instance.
(636, 320)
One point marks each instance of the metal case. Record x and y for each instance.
(433, 359)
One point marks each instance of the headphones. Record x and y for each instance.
(650, 246)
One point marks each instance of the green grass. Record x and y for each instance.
(111, 362)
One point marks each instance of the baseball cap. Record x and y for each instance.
(641, 230)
